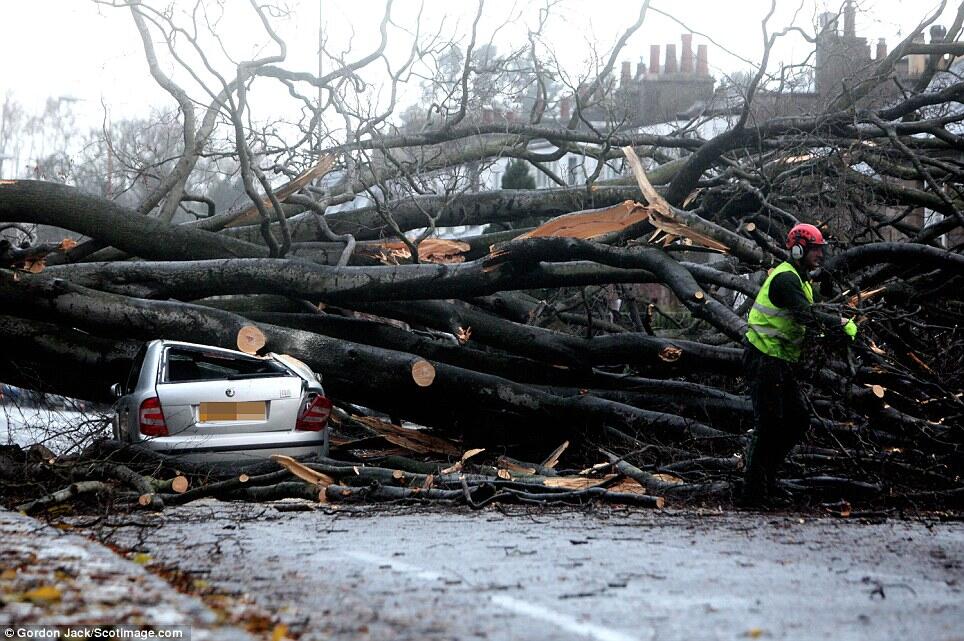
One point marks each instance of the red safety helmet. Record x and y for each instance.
(804, 236)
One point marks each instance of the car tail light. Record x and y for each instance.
(314, 415)
(151, 418)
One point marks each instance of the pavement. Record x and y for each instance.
(58, 579)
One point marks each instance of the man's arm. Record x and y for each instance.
(786, 293)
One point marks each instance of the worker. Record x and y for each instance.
(779, 322)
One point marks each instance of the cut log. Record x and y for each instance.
(423, 373)
(251, 339)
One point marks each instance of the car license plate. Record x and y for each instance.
(250, 411)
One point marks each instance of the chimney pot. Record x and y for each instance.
(654, 59)
(686, 62)
(702, 61)
(671, 61)
(937, 33)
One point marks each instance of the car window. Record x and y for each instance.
(193, 365)
(135, 372)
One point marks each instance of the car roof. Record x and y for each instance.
(172, 343)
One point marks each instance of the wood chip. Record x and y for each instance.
(504, 474)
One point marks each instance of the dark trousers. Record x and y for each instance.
(781, 417)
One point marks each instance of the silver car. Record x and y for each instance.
(208, 404)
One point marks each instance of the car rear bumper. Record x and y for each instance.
(238, 447)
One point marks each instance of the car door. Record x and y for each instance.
(215, 392)
(125, 407)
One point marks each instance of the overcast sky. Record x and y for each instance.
(79, 49)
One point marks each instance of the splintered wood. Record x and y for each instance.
(592, 223)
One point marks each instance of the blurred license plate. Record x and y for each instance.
(251, 411)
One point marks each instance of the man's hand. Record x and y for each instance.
(849, 327)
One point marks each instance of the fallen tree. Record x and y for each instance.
(527, 344)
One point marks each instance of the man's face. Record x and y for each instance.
(813, 258)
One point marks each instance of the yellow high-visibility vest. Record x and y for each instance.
(772, 330)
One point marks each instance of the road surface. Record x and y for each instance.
(404, 573)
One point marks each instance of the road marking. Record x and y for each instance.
(398, 566)
(531, 610)
(564, 621)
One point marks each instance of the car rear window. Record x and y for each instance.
(191, 365)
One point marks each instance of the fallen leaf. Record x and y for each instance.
(43, 594)
(141, 558)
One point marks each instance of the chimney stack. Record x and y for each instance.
(654, 59)
(849, 20)
(565, 108)
(881, 49)
(937, 33)
(828, 22)
(670, 59)
(686, 62)
(702, 61)
(640, 68)
(626, 74)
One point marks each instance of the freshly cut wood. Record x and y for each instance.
(179, 484)
(251, 339)
(423, 373)
(243, 478)
(301, 471)
(430, 250)
(145, 499)
(592, 223)
(661, 213)
(628, 486)
(577, 482)
(553, 459)
(410, 439)
(250, 215)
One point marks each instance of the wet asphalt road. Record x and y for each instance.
(363, 573)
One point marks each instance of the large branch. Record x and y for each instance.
(354, 373)
(55, 204)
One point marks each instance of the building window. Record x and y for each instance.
(571, 174)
